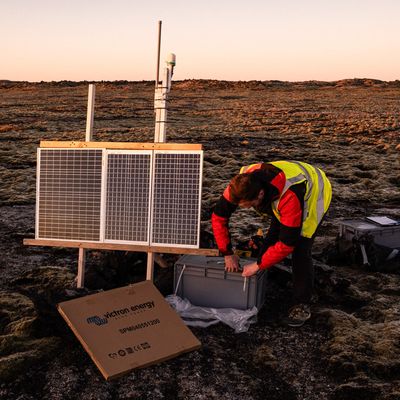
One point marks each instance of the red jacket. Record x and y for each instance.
(282, 236)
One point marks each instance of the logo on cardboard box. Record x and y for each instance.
(97, 320)
(123, 312)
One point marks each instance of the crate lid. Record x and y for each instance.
(360, 225)
(365, 226)
(383, 221)
(217, 263)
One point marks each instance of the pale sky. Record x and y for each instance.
(289, 40)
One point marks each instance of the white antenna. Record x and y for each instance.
(161, 93)
(160, 100)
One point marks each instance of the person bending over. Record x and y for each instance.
(296, 196)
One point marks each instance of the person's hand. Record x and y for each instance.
(232, 263)
(250, 269)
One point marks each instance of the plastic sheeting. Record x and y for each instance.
(239, 320)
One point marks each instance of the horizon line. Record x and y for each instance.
(199, 79)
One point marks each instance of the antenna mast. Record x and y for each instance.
(158, 53)
(161, 92)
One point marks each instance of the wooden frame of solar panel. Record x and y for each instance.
(158, 235)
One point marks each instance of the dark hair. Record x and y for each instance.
(245, 187)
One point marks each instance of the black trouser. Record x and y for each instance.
(302, 264)
(303, 271)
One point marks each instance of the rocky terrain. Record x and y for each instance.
(349, 350)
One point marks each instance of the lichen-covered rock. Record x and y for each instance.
(362, 346)
(19, 349)
(263, 355)
(29, 319)
(363, 350)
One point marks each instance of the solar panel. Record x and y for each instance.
(149, 197)
(176, 198)
(69, 194)
(128, 196)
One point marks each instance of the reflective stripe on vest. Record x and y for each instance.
(318, 191)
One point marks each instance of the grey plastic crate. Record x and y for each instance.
(388, 236)
(204, 282)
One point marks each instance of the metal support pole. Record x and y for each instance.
(150, 267)
(158, 53)
(90, 113)
(80, 282)
(88, 138)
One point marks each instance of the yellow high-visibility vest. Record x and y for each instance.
(318, 191)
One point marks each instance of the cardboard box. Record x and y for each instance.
(204, 282)
(127, 328)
